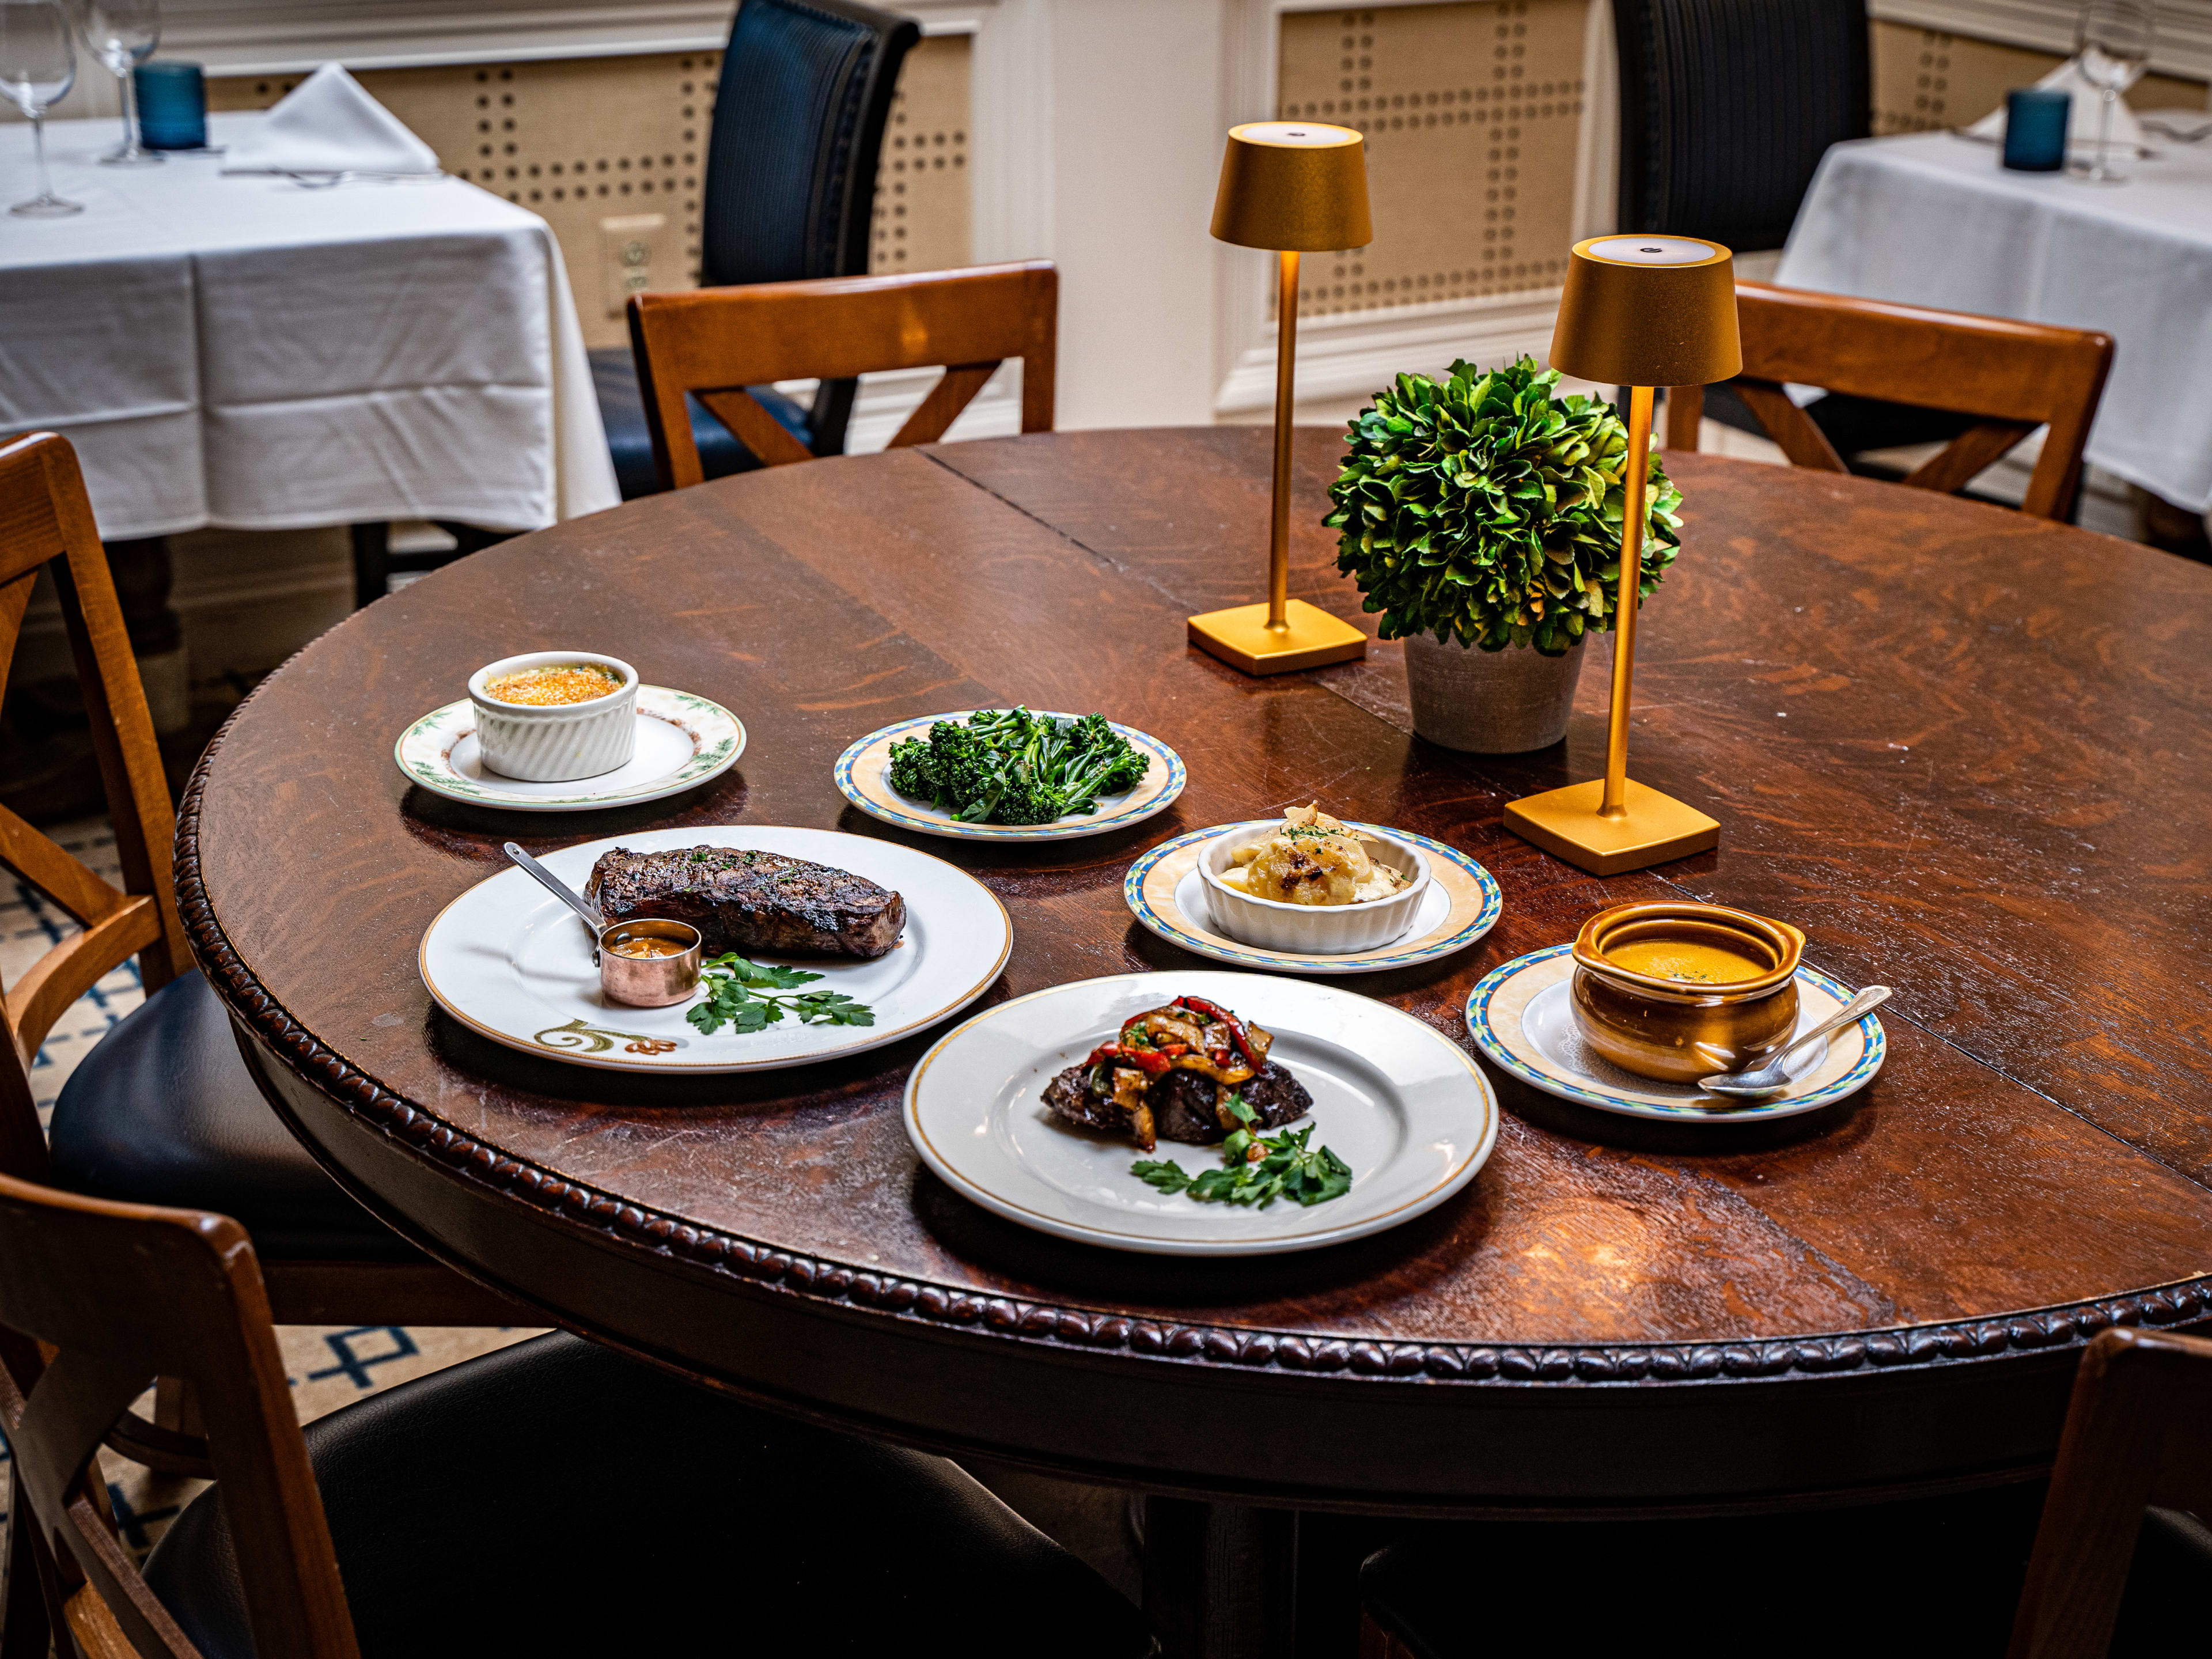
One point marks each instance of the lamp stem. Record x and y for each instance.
(1286, 357)
(1636, 471)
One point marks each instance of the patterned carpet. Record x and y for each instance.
(329, 1366)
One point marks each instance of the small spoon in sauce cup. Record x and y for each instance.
(1770, 1079)
(560, 890)
(648, 963)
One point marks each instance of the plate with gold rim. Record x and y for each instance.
(862, 775)
(1522, 1017)
(684, 740)
(513, 963)
(1165, 892)
(1399, 1102)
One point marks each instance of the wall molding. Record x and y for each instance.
(2185, 27)
(1354, 354)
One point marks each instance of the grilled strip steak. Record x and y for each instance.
(746, 900)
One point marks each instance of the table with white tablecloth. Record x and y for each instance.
(252, 353)
(1933, 219)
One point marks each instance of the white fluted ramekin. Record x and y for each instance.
(551, 743)
(1312, 929)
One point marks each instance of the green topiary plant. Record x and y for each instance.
(1483, 509)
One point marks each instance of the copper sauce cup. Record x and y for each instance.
(1678, 1030)
(650, 981)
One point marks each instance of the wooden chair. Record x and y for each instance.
(2011, 376)
(544, 1498)
(164, 1101)
(712, 344)
(2114, 1567)
(2136, 1436)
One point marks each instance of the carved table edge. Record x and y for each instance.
(2181, 1302)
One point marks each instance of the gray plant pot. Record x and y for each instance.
(1491, 702)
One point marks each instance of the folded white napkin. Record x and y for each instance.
(2082, 121)
(328, 124)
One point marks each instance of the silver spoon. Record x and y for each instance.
(1770, 1079)
(560, 890)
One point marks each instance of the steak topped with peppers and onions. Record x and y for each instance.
(1170, 1074)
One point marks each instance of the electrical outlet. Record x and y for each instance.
(639, 254)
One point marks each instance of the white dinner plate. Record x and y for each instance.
(861, 769)
(683, 739)
(1522, 1018)
(510, 961)
(1165, 892)
(1397, 1100)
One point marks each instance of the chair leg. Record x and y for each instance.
(176, 1407)
(26, 1617)
(1376, 1643)
(372, 562)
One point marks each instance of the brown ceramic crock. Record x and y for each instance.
(1678, 1030)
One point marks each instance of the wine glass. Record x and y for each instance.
(2111, 47)
(122, 35)
(38, 66)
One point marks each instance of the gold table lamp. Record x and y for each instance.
(1293, 187)
(1640, 312)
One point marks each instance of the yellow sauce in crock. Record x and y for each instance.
(642, 946)
(1686, 959)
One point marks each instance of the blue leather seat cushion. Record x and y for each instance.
(555, 1497)
(163, 1111)
(622, 408)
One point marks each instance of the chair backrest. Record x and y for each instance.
(46, 522)
(799, 112)
(96, 1299)
(2136, 1434)
(712, 344)
(2013, 376)
(1727, 106)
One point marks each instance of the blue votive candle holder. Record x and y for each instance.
(171, 106)
(2035, 129)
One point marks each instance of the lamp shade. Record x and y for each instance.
(1297, 186)
(1648, 311)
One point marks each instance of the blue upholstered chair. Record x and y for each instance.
(799, 112)
(1726, 109)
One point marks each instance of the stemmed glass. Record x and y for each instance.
(2112, 47)
(122, 35)
(38, 66)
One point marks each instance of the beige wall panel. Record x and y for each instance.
(611, 152)
(1471, 112)
(1924, 80)
(925, 195)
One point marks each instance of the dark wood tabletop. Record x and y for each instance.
(1964, 750)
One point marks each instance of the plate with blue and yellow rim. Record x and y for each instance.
(1522, 1016)
(862, 778)
(1165, 892)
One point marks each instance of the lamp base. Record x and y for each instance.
(1308, 638)
(1656, 827)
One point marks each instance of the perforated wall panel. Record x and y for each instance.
(608, 150)
(1471, 112)
(1923, 79)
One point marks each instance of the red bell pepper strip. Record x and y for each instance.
(1214, 1011)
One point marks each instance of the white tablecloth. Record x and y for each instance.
(248, 353)
(1932, 219)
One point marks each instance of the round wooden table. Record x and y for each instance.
(1964, 749)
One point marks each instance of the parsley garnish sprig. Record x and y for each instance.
(743, 995)
(1287, 1167)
